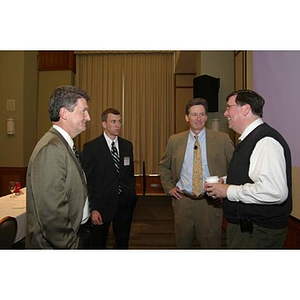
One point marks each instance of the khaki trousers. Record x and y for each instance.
(197, 219)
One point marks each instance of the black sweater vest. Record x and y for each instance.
(271, 216)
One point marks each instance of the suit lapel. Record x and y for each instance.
(54, 131)
(180, 151)
(105, 150)
(121, 153)
(211, 146)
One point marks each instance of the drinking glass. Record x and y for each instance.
(11, 186)
(17, 187)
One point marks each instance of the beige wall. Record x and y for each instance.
(18, 81)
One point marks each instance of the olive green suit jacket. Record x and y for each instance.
(56, 192)
(219, 148)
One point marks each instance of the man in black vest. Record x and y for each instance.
(258, 187)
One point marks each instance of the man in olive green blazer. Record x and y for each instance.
(199, 217)
(56, 193)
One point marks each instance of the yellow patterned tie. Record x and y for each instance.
(197, 169)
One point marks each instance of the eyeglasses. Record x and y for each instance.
(228, 106)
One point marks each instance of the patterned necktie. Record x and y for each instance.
(77, 154)
(197, 169)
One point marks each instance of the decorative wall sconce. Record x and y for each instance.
(10, 126)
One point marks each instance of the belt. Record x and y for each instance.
(193, 197)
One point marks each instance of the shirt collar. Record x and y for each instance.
(250, 128)
(64, 134)
(109, 140)
(201, 135)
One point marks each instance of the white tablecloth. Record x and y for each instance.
(15, 207)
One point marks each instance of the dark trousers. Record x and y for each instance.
(121, 225)
(85, 235)
(260, 238)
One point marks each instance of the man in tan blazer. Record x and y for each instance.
(195, 216)
(57, 204)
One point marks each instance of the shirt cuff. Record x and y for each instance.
(232, 193)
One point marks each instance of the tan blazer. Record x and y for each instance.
(219, 148)
(56, 193)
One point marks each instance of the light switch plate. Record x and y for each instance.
(11, 104)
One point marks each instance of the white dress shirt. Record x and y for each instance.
(109, 141)
(267, 170)
(86, 211)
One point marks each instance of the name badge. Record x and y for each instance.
(126, 161)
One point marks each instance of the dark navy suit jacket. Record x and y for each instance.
(103, 179)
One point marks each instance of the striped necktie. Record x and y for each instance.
(116, 159)
(77, 154)
(115, 156)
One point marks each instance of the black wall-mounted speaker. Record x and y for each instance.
(207, 87)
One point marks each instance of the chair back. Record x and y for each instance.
(8, 230)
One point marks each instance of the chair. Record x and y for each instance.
(8, 230)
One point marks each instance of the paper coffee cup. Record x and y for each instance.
(212, 179)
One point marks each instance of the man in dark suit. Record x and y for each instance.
(111, 182)
(56, 194)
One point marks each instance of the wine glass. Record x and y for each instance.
(11, 186)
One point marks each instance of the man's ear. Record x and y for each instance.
(246, 109)
(63, 113)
